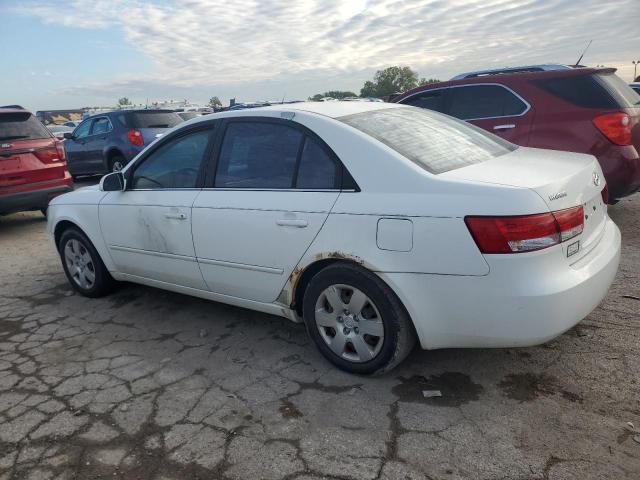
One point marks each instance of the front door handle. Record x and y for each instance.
(285, 222)
(504, 127)
(176, 216)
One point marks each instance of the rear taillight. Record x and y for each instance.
(49, 154)
(605, 194)
(525, 233)
(135, 137)
(62, 155)
(615, 126)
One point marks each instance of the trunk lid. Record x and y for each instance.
(151, 134)
(25, 162)
(562, 179)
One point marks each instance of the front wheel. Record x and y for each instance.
(356, 321)
(83, 266)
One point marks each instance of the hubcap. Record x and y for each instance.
(349, 323)
(117, 166)
(79, 264)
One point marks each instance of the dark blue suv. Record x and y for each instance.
(108, 141)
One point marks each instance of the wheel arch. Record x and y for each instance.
(300, 278)
(110, 152)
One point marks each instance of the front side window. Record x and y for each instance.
(175, 164)
(433, 100)
(258, 155)
(484, 101)
(435, 142)
(101, 125)
(83, 129)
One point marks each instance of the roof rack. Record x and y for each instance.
(527, 68)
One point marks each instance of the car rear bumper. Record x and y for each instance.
(522, 301)
(621, 168)
(31, 199)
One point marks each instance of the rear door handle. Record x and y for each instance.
(176, 216)
(504, 127)
(292, 223)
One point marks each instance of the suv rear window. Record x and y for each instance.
(436, 142)
(153, 119)
(21, 126)
(599, 90)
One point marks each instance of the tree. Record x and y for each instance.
(214, 102)
(337, 94)
(426, 81)
(123, 101)
(390, 81)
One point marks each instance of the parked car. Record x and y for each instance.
(188, 115)
(58, 131)
(33, 169)
(585, 110)
(107, 142)
(635, 86)
(373, 223)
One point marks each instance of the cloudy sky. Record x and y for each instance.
(74, 53)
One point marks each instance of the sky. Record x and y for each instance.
(76, 53)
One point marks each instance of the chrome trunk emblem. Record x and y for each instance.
(596, 179)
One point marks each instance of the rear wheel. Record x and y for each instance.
(83, 266)
(356, 320)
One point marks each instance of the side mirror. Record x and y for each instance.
(68, 135)
(112, 182)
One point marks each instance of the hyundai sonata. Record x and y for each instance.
(378, 225)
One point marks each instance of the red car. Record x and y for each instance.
(33, 168)
(585, 110)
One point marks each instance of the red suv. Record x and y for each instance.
(33, 169)
(586, 110)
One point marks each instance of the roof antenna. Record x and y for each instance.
(585, 51)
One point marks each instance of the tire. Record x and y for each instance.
(116, 163)
(365, 351)
(83, 266)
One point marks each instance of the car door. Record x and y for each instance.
(147, 227)
(95, 143)
(492, 107)
(272, 191)
(76, 148)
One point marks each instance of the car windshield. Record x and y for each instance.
(153, 119)
(21, 126)
(618, 88)
(436, 142)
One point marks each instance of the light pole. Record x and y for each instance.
(635, 68)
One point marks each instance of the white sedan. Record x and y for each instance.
(376, 224)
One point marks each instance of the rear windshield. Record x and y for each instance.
(21, 126)
(436, 142)
(153, 119)
(619, 89)
(599, 90)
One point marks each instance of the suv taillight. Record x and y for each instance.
(525, 233)
(135, 137)
(62, 155)
(615, 126)
(54, 153)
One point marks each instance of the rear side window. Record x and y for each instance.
(258, 155)
(433, 100)
(21, 126)
(153, 119)
(582, 91)
(435, 142)
(483, 101)
(317, 170)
